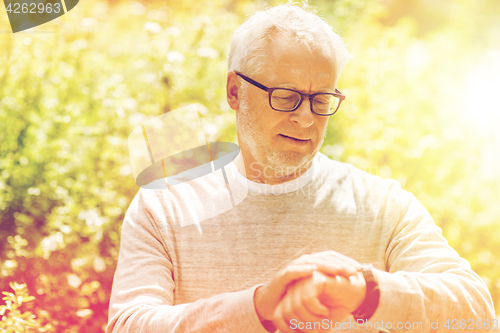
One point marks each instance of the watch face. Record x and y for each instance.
(368, 274)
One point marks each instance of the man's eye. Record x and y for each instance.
(321, 102)
(283, 98)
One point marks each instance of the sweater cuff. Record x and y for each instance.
(243, 313)
(390, 286)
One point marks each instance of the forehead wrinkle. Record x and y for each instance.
(306, 91)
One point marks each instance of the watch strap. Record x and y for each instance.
(370, 303)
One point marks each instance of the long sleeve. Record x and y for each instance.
(426, 280)
(142, 297)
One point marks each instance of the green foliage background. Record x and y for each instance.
(73, 89)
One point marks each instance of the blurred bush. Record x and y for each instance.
(69, 99)
(13, 319)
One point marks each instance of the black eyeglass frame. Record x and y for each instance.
(337, 94)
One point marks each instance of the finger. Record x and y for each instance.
(311, 291)
(338, 314)
(286, 303)
(289, 306)
(338, 292)
(336, 284)
(305, 294)
(290, 274)
(280, 323)
(329, 265)
(295, 314)
(319, 280)
(339, 259)
(269, 297)
(357, 280)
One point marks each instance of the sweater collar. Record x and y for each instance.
(283, 188)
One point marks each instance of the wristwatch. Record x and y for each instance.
(370, 304)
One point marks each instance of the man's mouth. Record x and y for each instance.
(296, 139)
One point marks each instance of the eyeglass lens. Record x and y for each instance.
(286, 100)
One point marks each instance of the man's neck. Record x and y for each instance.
(265, 174)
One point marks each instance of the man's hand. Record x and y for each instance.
(342, 293)
(305, 302)
(301, 305)
(268, 297)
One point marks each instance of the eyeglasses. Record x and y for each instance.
(288, 100)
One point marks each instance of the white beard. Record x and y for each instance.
(279, 163)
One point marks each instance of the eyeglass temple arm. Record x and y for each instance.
(263, 87)
(257, 84)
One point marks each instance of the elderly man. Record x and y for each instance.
(316, 245)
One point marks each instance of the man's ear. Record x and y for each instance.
(233, 91)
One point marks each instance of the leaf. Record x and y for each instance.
(28, 299)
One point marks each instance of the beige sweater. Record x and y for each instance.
(175, 276)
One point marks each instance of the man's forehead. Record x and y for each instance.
(288, 60)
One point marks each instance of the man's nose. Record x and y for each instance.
(303, 114)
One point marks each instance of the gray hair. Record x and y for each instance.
(249, 41)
